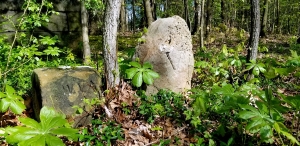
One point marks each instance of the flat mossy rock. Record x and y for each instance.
(62, 88)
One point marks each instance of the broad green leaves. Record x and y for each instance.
(44, 133)
(10, 100)
(266, 117)
(256, 68)
(141, 73)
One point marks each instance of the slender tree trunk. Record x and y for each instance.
(110, 30)
(208, 17)
(148, 12)
(154, 7)
(123, 17)
(278, 17)
(202, 25)
(254, 34)
(85, 35)
(264, 19)
(133, 15)
(197, 16)
(186, 13)
(223, 12)
(166, 8)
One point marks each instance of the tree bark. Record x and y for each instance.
(154, 7)
(208, 16)
(202, 25)
(254, 34)
(148, 12)
(112, 14)
(123, 17)
(278, 17)
(197, 16)
(186, 13)
(264, 19)
(133, 15)
(85, 35)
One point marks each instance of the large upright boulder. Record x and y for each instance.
(168, 47)
(62, 88)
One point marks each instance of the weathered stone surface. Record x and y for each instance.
(64, 88)
(168, 47)
(66, 25)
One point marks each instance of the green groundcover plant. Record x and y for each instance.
(32, 133)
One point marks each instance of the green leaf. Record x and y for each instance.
(276, 127)
(4, 104)
(53, 123)
(227, 89)
(261, 67)
(255, 71)
(147, 78)
(250, 66)
(284, 71)
(151, 73)
(138, 79)
(293, 101)
(224, 50)
(2, 94)
(270, 73)
(247, 115)
(47, 113)
(248, 107)
(28, 122)
(135, 64)
(68, 132)
(255, 124)
(131, 72)
(53, 141)
(18, 134)
(147, 65)
(38, 140)
(290, 137)
(17, 107)
(10, 91)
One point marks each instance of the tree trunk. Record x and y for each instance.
(186, 13)
(254, 34)
(133, 15)
(153, 7)
(223, 12)
(202, 25)
(197, 16)
(148, 12)
(85, 35)
(112, 14)
(208, 17)
(123, 17)
(264, 19)
(278, 17)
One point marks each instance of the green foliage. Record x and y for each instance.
(164, 103)
(101, 133)
(94, 5)
(91, 103)
(256, 68)
(32, 133)
(294, 59)
(10, 100)
(141, 73)
(27, 52)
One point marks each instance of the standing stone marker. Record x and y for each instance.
(168, 47)
(62, 88)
